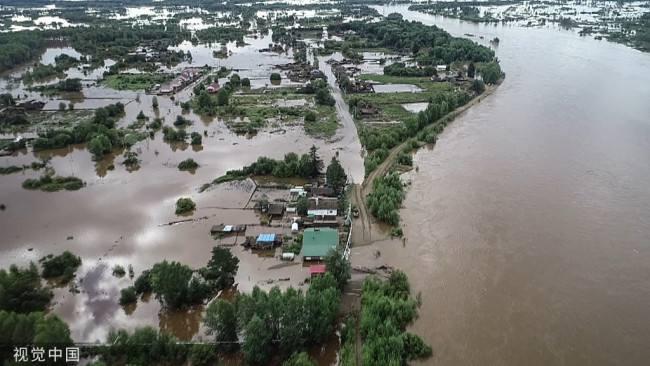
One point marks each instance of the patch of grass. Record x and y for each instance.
(48, 183)
(325, 124)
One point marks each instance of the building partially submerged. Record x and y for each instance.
(323, 208)
(318, 242)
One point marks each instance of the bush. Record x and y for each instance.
(119, 271)
(196, 137)
(64, 264)
(276, 77)
(128, 296)
(246, 82)
(203, 354)
(310, 116)
(188, 164)
(184, 205)
(143, 283)
(48, 183)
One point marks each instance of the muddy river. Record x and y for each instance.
(528, 225)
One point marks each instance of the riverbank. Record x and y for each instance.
(365, 226)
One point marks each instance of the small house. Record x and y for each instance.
(266, 240)
(213, 88)
(323, 208)
(275, 209)
(297, 192)
(316, 270)
(323, 192)
(317, 243)
(441, 68)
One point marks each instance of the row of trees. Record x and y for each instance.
(387, 308)
(307, 165)
(177, 285)
(386, 198)
(400, 69)
(279, 323)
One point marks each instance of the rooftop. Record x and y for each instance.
(317, 242)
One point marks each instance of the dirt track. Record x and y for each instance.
(363, 224)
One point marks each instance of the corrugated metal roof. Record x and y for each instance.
(317, 242)
(266, 238)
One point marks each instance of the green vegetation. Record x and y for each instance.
(51, 183)
(63, 265)
(278, 323)
(196, 138)
(188, 165)
(635, 33)
(10, 169)
(128, 296)
(145, 346)
(18, 47)
(176, 285)
(299, 359)
(430, 44)
(42, 72)
(306, 166)
(387, 308)
(491, 72)
(143, 81)
(119, 271)
(386, 198)
(335, 175)
(63, 86)
(21, 291)
(276, 77)
(399, 69)
(184, 205)
(31, 328)
(100, 133)
(174, 135)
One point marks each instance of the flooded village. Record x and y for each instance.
(225, 178)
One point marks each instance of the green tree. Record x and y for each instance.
(471, 70)
(276, 77)
(316, 164)
(235, 80)
(222, 97)
(302, 205)
(184, 205)
(99, 146)
(221, 320)
(491, 72)
(154, 102)
(21, 290)
(52, 330)
(335, 175)
(292, 320)
(221, 268)
(257, 347)
(170, 282)
(202, 355)
(339, 267)
(299, 359)
(128, 296)
(246, 82)
(321, 306)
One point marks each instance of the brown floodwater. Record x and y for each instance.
(121, 216)
(528, 224)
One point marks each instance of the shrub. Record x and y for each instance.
(128, 296)
(143, 283)
(184, 205)
(276, 77)
(246, 82)
(310, 116)
(188, 164)
(196, 137)
(64, 264)
(118, 271)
